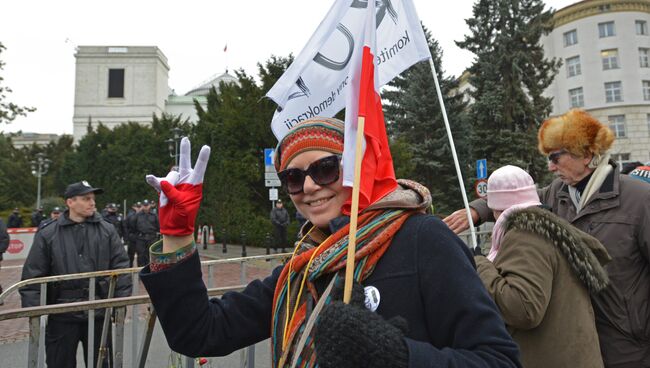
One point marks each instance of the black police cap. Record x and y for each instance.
(80, 188)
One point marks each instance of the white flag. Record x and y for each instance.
(317, 82)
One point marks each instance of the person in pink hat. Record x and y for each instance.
(541, 271)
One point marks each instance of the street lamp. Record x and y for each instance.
(173, 143)
(39, 168)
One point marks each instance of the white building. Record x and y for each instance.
(119, 84)
(27, 139)
(605, 49)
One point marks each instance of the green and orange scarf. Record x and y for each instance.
(297, 303)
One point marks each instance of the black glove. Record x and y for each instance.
(349, 335)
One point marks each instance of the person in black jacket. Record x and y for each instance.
(38, 217)
(15, 220)
(146, 228)
(424, 303)
(280, 220)
(4, 243)
(79, 241)
(114, 217)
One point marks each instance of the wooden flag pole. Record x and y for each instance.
(354, 212)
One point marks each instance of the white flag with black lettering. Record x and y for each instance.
(317, 82)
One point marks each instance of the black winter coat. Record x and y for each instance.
(4, 239)
(55, 252)
(427, 276)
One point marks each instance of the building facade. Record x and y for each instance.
(119, 84)
(604, 46)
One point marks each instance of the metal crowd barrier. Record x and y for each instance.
(37, 315)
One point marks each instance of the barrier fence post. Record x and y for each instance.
(224, 249)
(243, 244)
(268, 244)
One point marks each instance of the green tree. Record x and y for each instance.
(235, 124)
(17, 184)
(509, 76)
(9, 110)
(416, 124)
(118, 159)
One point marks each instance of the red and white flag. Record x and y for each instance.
(381, 39)
(364, 101)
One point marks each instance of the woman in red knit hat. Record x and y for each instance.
(417, 300)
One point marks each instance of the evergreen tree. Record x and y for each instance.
(236, 124)
(17, 184)
(415, 123)
(118, 159)
(509, 76)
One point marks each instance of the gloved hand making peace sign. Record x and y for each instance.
(181, 192)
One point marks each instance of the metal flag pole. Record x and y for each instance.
(453, 152)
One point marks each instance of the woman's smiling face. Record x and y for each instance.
(319, 204)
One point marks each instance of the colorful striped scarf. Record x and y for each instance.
(292, 343)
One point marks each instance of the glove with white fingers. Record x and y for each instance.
(181, 192)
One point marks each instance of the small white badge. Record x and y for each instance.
(85, 183)
(372, 298)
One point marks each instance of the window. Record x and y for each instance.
(573, 66)
(644, 59)
(606, 29)
(115, 83)
(613, 92)
(621, 158)
(576, 98)
(617, 125)
(641, 27)
(646, 90)
(610, 59)
(570, 38)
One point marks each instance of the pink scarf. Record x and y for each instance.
(499, 231)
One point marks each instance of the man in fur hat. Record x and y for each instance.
(590, 193)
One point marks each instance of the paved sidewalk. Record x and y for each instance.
(223, 275)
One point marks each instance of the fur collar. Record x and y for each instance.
(585, 253)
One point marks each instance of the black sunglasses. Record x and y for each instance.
(323, 172)
(555, 156)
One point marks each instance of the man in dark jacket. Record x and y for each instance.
(128, 229)
(79, 241)
(14, 219)
(114, 217)
(146, 227)
(280, 221)
(4, 243)
(38, 217)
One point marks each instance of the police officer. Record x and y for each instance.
(114, 217)
(147, 229)
(54, 215)
(79, 241)
(38, 217)
(14, 220)
(129, 231)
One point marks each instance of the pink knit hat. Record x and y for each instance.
(510, 185)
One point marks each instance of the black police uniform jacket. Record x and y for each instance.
(427, 276)
(55, 252)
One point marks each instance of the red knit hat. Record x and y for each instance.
(323, 134)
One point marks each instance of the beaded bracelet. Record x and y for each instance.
(161, 261)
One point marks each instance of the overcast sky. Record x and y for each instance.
(41, 35)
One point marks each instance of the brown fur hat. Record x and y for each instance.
(577, 132)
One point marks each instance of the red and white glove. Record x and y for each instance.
(180, 192)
